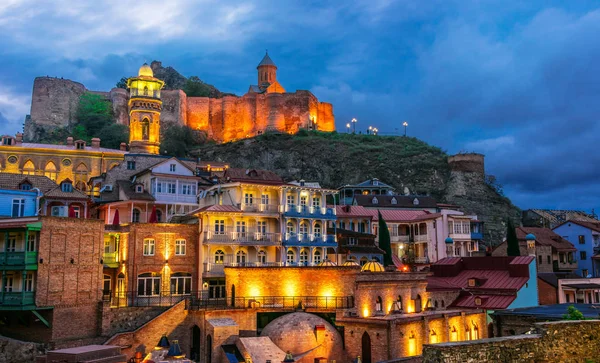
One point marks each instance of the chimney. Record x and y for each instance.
(70, 141)
(95, 143)
(19, 138)
(123, 146)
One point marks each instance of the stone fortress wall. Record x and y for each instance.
(469, 162)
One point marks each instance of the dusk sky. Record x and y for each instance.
(516, 80)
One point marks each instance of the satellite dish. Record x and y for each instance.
(589, 276)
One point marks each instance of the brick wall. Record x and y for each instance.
(546, 293)
(565, 341)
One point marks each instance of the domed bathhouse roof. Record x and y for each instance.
(372, 266)
(146, 71)
(302, 333)
(351, 262)
(327, 263)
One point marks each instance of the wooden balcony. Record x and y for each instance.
(248, 237)
(18, 260)
(17, 300)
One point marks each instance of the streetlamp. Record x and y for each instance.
(354, 125)
(405, 124)
(348, 128)
(375, 131)
(370, 130)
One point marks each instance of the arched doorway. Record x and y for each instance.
(195, 351)
(366, 348)
(208, 349)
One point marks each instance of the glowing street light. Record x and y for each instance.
(354, 125)
(348, 128)
(405, 124)
(375, 130)
(370, 130)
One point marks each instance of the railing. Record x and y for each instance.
(19, 298)
(399, 237)
(133, 299)
(248, 236)
(299, 238)
(259, 207)
(293, 210)
(420, 237)
(111, 259)
(273, 302)
(18, 258)
(219, 268)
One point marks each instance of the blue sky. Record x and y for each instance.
(516, 80)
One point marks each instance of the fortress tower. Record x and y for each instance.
(144, 111)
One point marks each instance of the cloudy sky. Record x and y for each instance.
(516, 80)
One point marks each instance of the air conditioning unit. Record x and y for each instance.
(60, 211)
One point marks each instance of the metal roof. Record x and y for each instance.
(488, 302)
(555, 311)
(266, 61)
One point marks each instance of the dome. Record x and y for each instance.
(351, 262)
(300, 332)
(327, 263)
(530, 237)
(372, 266)
(449, 240)
(146, 71)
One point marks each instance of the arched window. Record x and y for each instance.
(145, 129)
(453, 334)
(375, 200)
(289, 227)
(398, 303)
(50, 171)
(291, 257)
(28, 168)
(262, 256)
(121, 285)
(366, 348)
(303, 257)
(304, 230)
(317, 230)
(81, 186)
(379, 304)
(475, 334)
(317, 257)
(219, 256)
(146, 91)
(135, 216)
(149, 284)
(240, 257)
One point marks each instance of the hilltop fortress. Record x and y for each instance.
(265, 107)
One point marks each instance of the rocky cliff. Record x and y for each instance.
(408, 164)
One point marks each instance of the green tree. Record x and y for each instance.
(93, 113)
(122, 83)
(194, 87)
(177, 140)
(573, 314)
(113, 134)
(512, 248)
(385, 242)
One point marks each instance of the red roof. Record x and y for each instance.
(395, 215)
(545, 237)
(488, 302)
(346, 211)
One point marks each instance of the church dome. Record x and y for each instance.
(302, 332)
(146, 71)
(372, 266)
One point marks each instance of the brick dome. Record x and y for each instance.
(302, 332)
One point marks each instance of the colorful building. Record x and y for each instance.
(585, 236)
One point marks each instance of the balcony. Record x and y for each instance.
(460, 236)
(564, 265)
(421, 237)
(19, 259)
(249, 237)
(111, 259)
(395, 237)
(17, 300)
(304, 211)
(260, 208)
(309, 239)
(218, 269)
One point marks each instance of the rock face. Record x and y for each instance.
(18, 351)
(405, 163)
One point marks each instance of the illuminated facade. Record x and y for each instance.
(144, 111)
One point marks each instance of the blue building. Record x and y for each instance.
(18, 203)
(585, 236)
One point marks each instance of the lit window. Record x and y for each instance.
(290, 200)
(219, 256)
(264, 199)
(172, 167)
(181, 283)
(148, 284)
(240, 257)
(180, 247)
(149, 247)
(378, 304)
(248, 198)
(581, 239)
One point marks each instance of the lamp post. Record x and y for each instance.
(370, 130)
(375, 131)
(405, 124)
(354, 125)
(348, 128)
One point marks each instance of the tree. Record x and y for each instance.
(194, 87)
(384, 241)
(177, 140)
(122, 83)
(573, 314)
(512, 242)
(93, 113)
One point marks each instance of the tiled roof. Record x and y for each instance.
(488, 302)
(12, 181)
(559, 215)
(68, 147)
(251, 176)
(58, 193)
(266, 61)
(545, 237)
(347, 211)
(402, 201)
(129, 190)
(399, 215)
(594, 226)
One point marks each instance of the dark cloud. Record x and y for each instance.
(518, 81)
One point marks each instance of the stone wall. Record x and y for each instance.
(564, 341)
(125, 319)
(472, 162)
(12, 351)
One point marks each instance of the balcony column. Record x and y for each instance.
(323, 230)
(310, 256)
(23, 277)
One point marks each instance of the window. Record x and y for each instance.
(240, 257)
(29, 283)
(8, 284)
(130, 165)
(261, 227)
(171, 188)
(317, 230)
(262, 256)
(148, 247)
(317, 257)
(172, 167)
(66, 187)
(583, 255)
(394, 201)
(25, 186)
(11, 243)
(139, 188)
(219, 256)
(581, 239)
(159, 187)
(180, 247)
(76, 211)
(352, 241)
(145, 129)
(240, 227)
(264, 199)
(379, 304)
(290, 200)
(289, 228)
(159, 216)
(415, 201)
(18, 207)
(181, 283)
(148, 284)
(584, 272)
(220, 226)
(540, 259)
(31, 243)
(398, 303)
(249, 198)
(186, 189)
(316, 202)
(304, 257)
(303, 228)
(290, 257)
(80, 145)
(135, 216)
(374, 200)
(303, 200)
